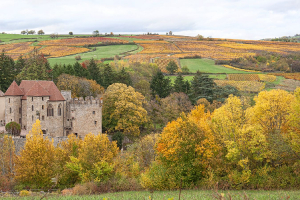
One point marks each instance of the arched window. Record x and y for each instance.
(50, 110)
(59, 110)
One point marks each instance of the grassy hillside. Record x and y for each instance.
(101, 52)
(207, 66)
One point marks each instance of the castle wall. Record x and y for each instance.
(55, 124)
(24, 114)
(2, 110)
(12, 109)
(86, 117)
(39, 110)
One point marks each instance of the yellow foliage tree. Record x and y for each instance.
(185, 151)
(35, 164)
(123, 109)
(95, 158)
(7, 154)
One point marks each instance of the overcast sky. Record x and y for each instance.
(240, 19)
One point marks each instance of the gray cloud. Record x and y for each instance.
(217, 18)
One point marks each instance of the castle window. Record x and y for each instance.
(43, 118)
(42, 107)
(42, 98)
(31, 98)
(20, 120)
(32, 108)
(8, 100)
(32, 117)
(59, 110)
(20, 110)
(94, 112)
(95, 122)
(50, 110)
(9, 110)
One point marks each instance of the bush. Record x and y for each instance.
(25, 193)
(78, 57)
(13, 128)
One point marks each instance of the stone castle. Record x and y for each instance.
(59, 114)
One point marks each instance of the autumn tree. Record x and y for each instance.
(7, 162)
(123, 109)
(34, 166)
(80, 87)
(41, 32)
(185, 150)
(160, 85)
(95, 159)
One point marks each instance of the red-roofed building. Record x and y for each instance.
(59, 114)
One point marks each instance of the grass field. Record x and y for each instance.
(190, 77)
(185, 195)
(16, 38)
(206, 65)
(101, 52)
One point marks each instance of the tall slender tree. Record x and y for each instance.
(160, 85)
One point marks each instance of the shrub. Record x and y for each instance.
(80, 190)
(78, 57)
(13, 128)
(25, 193)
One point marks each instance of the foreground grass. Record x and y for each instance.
(101, 52)
(185, 195)
(207, 66)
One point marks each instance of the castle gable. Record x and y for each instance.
(37, 91)
(1, 94)
(41, 88)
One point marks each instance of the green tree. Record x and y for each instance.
(202, 87)
(180, 85)
(108, 76)
(13, 128)
(95, 71)
(7, 71)
(80, 71)
(41, 32)
(123, 77)
(172, 67)
(36, 68)
(160, 85)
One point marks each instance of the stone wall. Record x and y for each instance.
(86, 116)
(20, 142)
(2, 110)
(12, 109)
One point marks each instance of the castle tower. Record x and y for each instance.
(13, 105)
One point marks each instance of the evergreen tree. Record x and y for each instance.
(180, 85)
(202, 87)
(160, 85)
(70, 69)
(108, 76)
(95, 72)
(7, 71)
(36, 68)
(80, 71)
(123, 77)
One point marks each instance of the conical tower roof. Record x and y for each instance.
(14, 90)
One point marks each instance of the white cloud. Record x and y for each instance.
(217, 18)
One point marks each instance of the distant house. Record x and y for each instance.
(59, 114)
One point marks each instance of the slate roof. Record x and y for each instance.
(37, 89)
